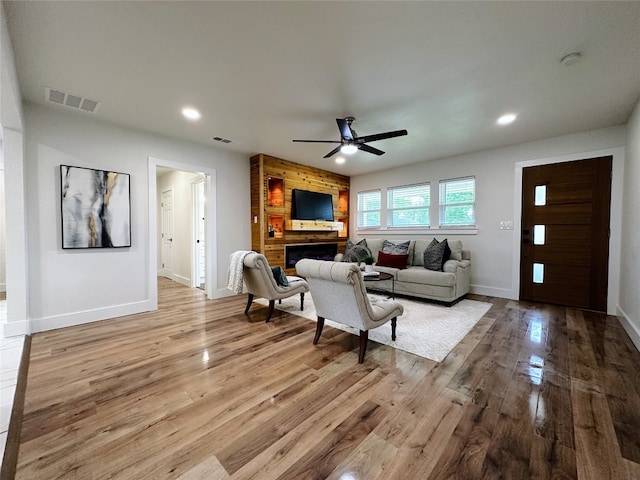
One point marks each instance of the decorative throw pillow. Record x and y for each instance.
(393, 249)
(456, 249)
(279, 276)
(433, 255)
(447, 252)
(356, 252)
(391, 260)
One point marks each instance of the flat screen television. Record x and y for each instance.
(307, 205)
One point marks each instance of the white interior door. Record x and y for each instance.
(166, 233)
(199, 223)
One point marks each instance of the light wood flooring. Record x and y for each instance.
(199, 390)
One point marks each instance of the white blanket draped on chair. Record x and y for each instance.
(234, 275)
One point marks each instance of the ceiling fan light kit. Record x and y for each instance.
(350, 142)
(348, 149)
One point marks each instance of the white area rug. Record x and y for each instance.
(424, 329)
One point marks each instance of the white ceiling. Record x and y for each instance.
(263, 73)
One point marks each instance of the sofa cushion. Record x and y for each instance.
(456, 249)
(356, 253)
(434, 255)
(393, 261)
(418, 252)
(389, 270)
(453, 265)
(426, 277)
(396, 249)
(421, 244)
(375, 245)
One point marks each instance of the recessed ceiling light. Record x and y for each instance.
(506, 119)
(339, 160)
(191, 113)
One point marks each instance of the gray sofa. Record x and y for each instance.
(447, 286)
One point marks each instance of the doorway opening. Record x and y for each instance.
(182, 241)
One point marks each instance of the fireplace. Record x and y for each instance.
(317, 251)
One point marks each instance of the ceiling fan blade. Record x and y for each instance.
(344, 128)
(317, 141)
(367, 148)
(332, 152)
(382, 136)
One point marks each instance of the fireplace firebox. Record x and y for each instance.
(316, 251)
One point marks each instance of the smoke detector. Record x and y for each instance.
(76, 102)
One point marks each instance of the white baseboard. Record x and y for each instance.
(223, 292)
(88, 316)
(629, 326)
(492, 291)
(15, 329)
(181, 280)
(175, 277)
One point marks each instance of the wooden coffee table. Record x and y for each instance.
(378, 278)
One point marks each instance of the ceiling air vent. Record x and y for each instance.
(72, 101)
(221, 140)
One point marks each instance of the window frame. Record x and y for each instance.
(443, 205)
(361, 212)
(390, 209)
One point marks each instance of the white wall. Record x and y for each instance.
(181, 182)
(10, 100)
(494, 252)
(76, 286)
(630, 245)
(3, 229)
(11, 122)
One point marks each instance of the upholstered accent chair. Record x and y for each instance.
(260, 282)
(339, 294)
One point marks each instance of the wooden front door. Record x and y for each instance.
(565, 233)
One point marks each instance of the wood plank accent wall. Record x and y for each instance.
(278, 215)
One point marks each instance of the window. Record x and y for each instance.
(369, 204)
(457, 202)
(538, 273)
(408, 206)
(539, 234)
(540, 195)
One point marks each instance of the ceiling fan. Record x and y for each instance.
(350, 142)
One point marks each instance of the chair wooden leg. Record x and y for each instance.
(272, 304)
(364, 339)
(393, 328)
(301, 301)
(319, 326)
(249, 302)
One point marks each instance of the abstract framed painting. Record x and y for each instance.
(96, 208)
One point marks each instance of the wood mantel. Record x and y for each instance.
(314, 225)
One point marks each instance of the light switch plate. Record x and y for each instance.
(506, 225)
